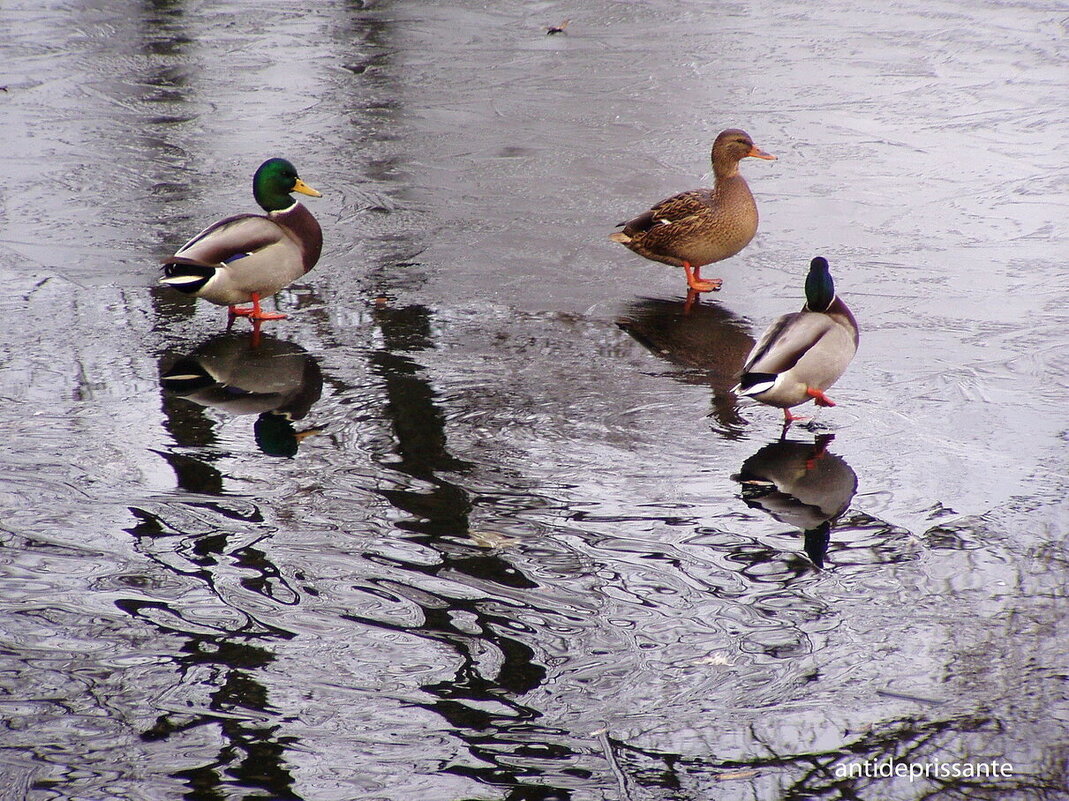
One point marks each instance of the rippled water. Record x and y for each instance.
(482, 519)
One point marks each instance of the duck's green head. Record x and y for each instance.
(274, 183)
(819, 286)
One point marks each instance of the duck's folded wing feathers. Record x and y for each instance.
(220, 242)
(785, 342)
(674, 209)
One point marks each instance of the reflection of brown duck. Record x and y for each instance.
(802, 485)
(703, 337)
(252, 374)
(703, 226)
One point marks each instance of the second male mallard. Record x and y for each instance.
(703, 226)
(803, 353)
(248, 257)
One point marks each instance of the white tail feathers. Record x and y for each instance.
(755, 384)
(179, 281)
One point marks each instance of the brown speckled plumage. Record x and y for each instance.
(702, 226)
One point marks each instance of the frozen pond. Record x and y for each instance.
(482, 519)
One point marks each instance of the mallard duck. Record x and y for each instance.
(251, 256)
(803, 353)
(699, 227)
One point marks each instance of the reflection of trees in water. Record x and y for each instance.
(826, 773)
(223, 657)
(478, 702)
(482, 702)
(253, 756)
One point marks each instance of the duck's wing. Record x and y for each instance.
(670, 210)
(785, 342)
(228, 239)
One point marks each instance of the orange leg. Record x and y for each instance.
(820, 398)
(695, 282)
(254, 313)
(692, 298)
(820, 450)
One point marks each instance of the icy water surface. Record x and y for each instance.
(482, 519)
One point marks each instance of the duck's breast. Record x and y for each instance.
(304, 230)
(723, 227)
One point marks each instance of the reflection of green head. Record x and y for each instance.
(275, 435)
(819, 286)
(274, 183)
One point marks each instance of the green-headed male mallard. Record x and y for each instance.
(251, 256)
(803, 353)
(696, 228)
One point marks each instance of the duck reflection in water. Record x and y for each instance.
(706, 338)
(252, 374)
(801, 484)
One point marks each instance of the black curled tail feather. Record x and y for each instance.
(186, 275)
(756, 383)
(186, 377)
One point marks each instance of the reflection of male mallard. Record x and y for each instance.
(247, 374)
(803, 353)
(703, 226)
(249, 257)
(800, 484)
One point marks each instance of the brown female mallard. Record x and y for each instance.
(251, 256)
(696, 228)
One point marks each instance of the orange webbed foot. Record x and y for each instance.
(254, 312)
(697, 283)
(819, 397)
